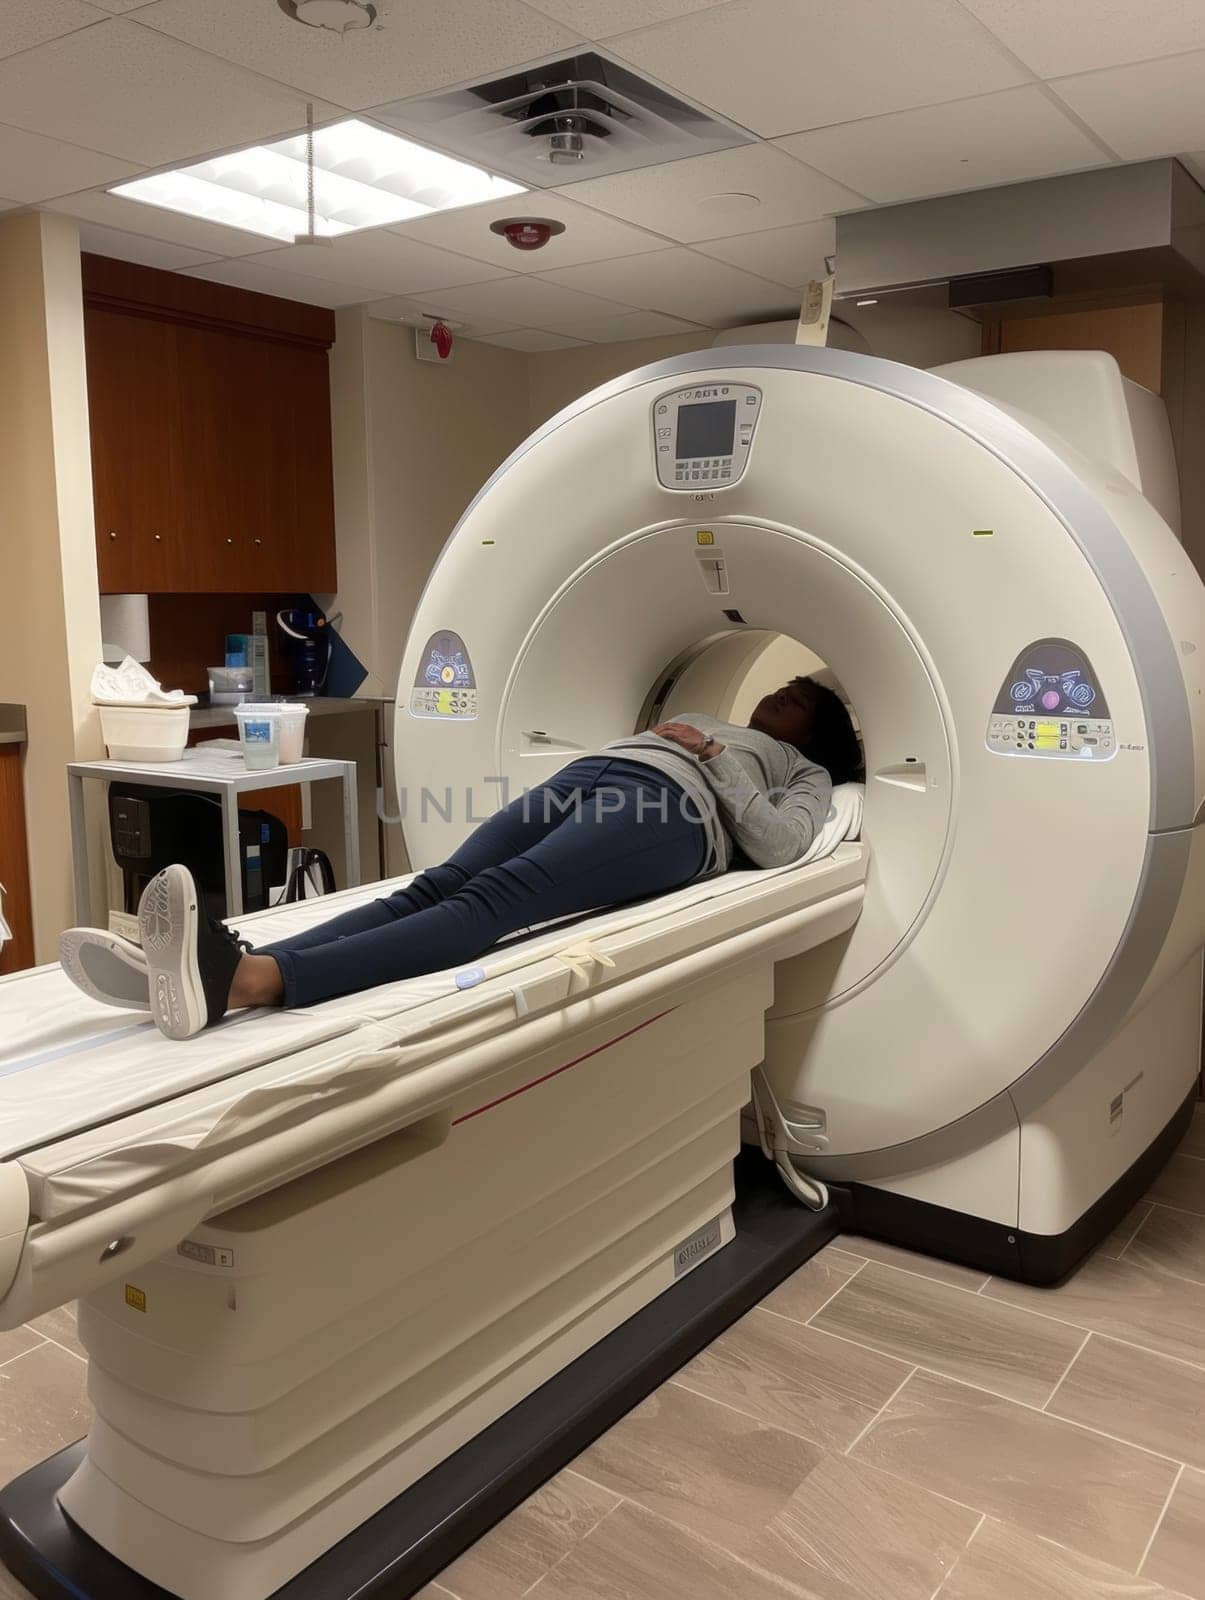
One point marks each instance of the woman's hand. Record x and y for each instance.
(690, 739)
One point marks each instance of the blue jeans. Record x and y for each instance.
(599, 833)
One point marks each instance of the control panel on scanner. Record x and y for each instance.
(703, 435)
(444, 685)
(1051, 705)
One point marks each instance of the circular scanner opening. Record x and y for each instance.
(727, 675)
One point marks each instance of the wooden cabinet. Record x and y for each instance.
(136, 467)
(1130, 329)
(211, 446)
(14, 864)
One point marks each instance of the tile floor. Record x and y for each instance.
(882, 1427)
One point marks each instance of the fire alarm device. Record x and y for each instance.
(527, 233)
(433, 342)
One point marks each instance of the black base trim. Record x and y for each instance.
(1036, 1258)
(411, 1540)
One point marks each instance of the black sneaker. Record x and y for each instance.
(191, 958)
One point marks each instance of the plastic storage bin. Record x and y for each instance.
(230, 686)
(144, 733)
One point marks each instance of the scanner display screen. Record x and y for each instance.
(706, 430)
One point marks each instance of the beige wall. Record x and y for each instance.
(557, 377)
(413, 444)
(50, 640)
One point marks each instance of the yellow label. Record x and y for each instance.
(135, 1297)
(704, 536)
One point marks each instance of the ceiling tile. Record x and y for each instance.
(588, 235)
(790, 256)
(418, 310)
(132, 216)
(597, 19)
(530, 302)
(964, 144)
(414, 47)
(1156, 108)
(715, 196)
(118, 5)
(380, 260)
(634, 325)
(35, 168)
(778, 66)
(143, 97)
(247, 273)
(683, 284)
(131, 247)
(532, 339)
(1055, 40)
(22, 25)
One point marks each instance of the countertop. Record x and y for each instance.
(12, 724)
(319, 706)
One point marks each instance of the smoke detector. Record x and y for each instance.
(579, 117)
(339, 16)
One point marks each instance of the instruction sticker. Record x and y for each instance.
(135, 1298)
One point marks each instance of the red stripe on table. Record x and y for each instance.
(556, 1072)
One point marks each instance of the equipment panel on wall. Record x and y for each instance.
(702, 435)
(1051, 704)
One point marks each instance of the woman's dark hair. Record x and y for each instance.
(832, 742)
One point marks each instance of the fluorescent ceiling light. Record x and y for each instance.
(363, 178)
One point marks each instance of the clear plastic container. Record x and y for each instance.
(290, 720)
(144, 733)
(259, 735)
(230, 686)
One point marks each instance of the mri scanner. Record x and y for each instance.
(354, 1275)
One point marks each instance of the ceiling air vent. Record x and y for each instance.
(579, 117)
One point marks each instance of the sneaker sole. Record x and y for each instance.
(167, 924)
(125, 991)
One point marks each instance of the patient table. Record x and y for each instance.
(318, 1252)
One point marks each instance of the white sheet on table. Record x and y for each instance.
(68, 1063)
(844, 821)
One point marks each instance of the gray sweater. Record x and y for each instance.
(760, 797)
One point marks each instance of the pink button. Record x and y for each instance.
(1051, 699)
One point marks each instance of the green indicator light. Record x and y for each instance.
(982, 533)
(489, 541)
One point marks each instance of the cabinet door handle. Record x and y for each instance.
(112, 533)
(229, 541)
